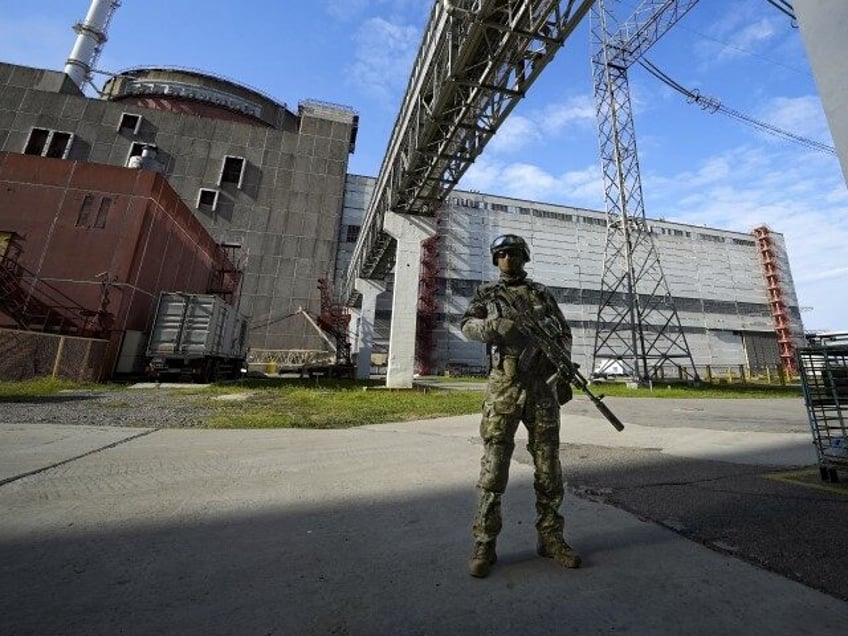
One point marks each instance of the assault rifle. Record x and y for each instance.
(547, 336)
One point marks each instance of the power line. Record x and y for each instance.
(745, 51)
(713, 105)
(784, 7)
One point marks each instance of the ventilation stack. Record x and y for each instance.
(91, 35)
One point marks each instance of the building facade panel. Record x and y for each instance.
(714, 276)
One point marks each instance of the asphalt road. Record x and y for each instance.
(701, 517)
(784, 519)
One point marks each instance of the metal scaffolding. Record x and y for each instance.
(777, 300)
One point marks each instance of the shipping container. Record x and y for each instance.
(198, 337)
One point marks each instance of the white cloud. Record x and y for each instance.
(800, 194)
(529, 181)
(738, 34)
(750, 37)
(514, 134)
(519, 132)
(384, 51)
(575, 111)
(802, 116)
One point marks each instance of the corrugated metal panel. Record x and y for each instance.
(196, 325)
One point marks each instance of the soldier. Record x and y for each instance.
(517, 391)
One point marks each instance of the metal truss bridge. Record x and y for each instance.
(477, 59)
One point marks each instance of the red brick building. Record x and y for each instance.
(96, 244)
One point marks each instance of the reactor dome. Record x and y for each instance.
(194, 93)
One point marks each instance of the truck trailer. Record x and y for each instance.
(196, 337)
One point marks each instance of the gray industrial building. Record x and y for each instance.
(264, 180)
(275, 183)
(717, 278)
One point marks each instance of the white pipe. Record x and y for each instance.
(91, 34)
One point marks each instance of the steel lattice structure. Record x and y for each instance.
(476, 61)
(637, 320)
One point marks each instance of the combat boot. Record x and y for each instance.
(554, 547)
(482, 559)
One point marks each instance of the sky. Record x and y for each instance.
(696, 167)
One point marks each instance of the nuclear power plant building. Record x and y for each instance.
(722, 283)
(270, 187)
(266, 181)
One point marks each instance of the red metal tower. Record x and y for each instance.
(334, 319)
(428, 289)
(777, 303)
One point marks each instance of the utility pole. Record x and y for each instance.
(637, 320)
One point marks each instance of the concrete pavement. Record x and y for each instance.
(359, 531)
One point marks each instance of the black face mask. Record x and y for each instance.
(513, 279)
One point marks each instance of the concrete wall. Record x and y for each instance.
(824, 24)
(285, 214)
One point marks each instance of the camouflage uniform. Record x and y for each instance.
(517, 390)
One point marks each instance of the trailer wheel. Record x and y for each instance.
(205, 372)
(211, 372)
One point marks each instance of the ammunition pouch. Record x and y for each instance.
(563, 391)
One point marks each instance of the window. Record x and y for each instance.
(5, 240)
(85, 211)
(48, 143)
(589, 220)
(232, 171)
(87, 208)
(37, 141)
(352, 233)
(129, 124)
(59, 145)
(102, 212)
(207, 199)
(136, 148)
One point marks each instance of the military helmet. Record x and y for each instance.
(509, 243)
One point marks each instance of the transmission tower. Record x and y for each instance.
(637, 320)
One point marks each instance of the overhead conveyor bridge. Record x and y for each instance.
(476, 60)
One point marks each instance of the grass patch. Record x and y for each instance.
(704, 391)
(661, 389)
(36, 387)
(331, 404)
(287, 403)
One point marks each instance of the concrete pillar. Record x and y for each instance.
(369, 289)
(823, 26)
(409, 232)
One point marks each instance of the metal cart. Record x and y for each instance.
(823, 366)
